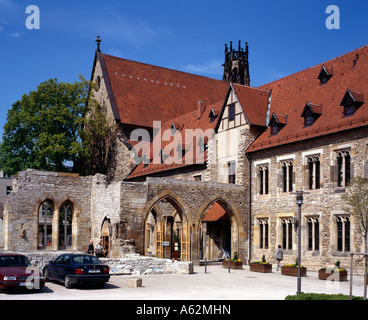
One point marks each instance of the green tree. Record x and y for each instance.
(98, 141)
(43, 129)
(356, 197)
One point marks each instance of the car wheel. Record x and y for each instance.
(67, 282)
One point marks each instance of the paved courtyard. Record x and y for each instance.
(216, 284)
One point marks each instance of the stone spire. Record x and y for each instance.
(236, 66)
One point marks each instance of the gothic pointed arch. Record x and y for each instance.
(167, 217)
(220, 226)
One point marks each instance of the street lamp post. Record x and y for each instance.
(299, 201)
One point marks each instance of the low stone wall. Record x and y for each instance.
(138, 265)
(128, 264)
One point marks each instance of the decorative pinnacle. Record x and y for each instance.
(98, 41)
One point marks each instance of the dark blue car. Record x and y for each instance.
(73, 269)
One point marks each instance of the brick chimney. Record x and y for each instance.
(201, 108)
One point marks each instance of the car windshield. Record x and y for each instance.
(85, 260)
(14, 261)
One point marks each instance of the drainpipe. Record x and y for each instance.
(250, 209)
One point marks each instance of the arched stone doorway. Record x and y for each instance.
(167, 223)
(106, 237)
(218, 231)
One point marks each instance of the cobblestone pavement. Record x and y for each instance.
(216, 284)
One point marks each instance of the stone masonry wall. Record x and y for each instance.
(30, 189)
(129, 264)
(325, 203)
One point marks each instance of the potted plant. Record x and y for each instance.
(261, 266)
(292, 269)
(235, 263)
(333, 273)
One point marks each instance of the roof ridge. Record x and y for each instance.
(250, 87)
(166, 68)
(315, 66)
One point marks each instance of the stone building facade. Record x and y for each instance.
(323, 217)
(305, 131)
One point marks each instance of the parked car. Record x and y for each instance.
(17, 272)
(73, 269)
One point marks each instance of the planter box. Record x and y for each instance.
(233, 264)
(264, 268)
(292, 271)
(338, 275)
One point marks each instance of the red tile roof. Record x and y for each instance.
(254, 103)
(144, 93)
(215, 213)
(290, 95)
(190, 121)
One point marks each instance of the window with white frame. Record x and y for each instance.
(263, 175)
(343, 233)
(231, 171)
(343, 168)
(287, 233)
(287, 176)
(313, 233)
(314, 172)
(263, 233)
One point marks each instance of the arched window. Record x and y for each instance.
(65, 225)
(45, 215)
(343, 233)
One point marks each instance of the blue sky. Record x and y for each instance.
(284, 37)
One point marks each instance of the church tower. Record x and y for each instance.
(236, 66)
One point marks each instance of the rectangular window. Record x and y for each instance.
(231, 112)
(343, 168)
(343, 233)
(313, 234)
(263, 179)
(308, 120)
(263, 224)
(287, 234)
(314, 167)
(349, 110)
(8, 190)
(231, 173)
(287, 176)
(274, 129)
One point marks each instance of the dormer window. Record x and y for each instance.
(274, 128)
(351, 102)
(325, 75)
(212, 115)
(277, 122)
(311, 112)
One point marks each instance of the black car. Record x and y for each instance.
(73, 269)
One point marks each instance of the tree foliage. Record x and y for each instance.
(44, 130)
(97, 136)
(356, 197)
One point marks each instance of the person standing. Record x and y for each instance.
(91, 249)
(99, 250)
(279, 257)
